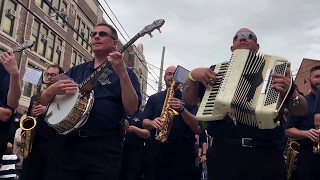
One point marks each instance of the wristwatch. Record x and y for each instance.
(182, 107)
(295, 101)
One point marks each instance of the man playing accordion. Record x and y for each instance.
(240, 151)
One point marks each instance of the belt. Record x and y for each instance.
(86, 133)
(244, 142)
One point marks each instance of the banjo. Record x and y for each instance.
(66, 113)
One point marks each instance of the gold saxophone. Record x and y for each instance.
(316, 145)
(167, 115)
(290, 154)
(28, 125)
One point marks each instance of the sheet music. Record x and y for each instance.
(32, 75)
(181, 74)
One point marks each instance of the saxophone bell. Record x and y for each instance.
(28, 125)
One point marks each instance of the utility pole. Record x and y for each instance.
(161, 70)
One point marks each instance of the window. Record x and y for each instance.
(80, 40)
(45, 6)
(51, 42)
(35, 34)
(8, 19)
(57, 6)
(76, 27)
(56, 53)
(73, 58)
(77, 58)
(47, 43)
(84, 34)
(43, 41)
(1, 9)
(63, 7)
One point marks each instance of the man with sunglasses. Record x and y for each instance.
(94, 151)
(240, 151)
(42, 162)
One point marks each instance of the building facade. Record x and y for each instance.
(61, 32)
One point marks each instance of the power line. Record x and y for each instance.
(123, 36)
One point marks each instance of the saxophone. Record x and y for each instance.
(167, 115)
(316, 145)
(290, 154)
(28, 125)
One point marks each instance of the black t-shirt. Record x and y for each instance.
(179, 131)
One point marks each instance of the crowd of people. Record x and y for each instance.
(119, 138)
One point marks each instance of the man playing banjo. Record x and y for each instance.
(94, 150)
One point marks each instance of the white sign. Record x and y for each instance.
(32, 75)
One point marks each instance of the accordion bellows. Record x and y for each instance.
(243, 90)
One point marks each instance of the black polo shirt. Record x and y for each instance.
(132, 141)
(304, 122)
(227, 129)
(4, 88)
(180, 131)
(107, 110)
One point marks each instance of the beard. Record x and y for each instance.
(314, 86)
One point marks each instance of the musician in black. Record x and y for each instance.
(42, 163)
(10, 92)
(303, 130)
(133, 147)
(175, 158)
(94, 151)
(240, 151)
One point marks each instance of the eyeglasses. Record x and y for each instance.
(50, 74)
(169, 73)
(247, 35)
(102, 34)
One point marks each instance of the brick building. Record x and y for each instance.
(301, 79)
(56, 42)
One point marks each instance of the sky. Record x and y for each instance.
(198, 33)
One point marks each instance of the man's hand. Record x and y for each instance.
(175, 104)
(282, 82)
(204, 75)
(117, 63)
(39, 109)
(64, 87)
(157, 123)
(9, 62)
(312, 134)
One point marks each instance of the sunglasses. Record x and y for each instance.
(247, 35)
(102, 34)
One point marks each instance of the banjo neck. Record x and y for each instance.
(86, 86)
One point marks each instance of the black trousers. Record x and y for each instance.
(132, 165)
(308, 167)
(91, 158)
(42, 163)
(171, 161)
(233, 162)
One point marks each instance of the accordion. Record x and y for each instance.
(243, 90)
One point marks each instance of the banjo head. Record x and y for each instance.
(60, 107)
